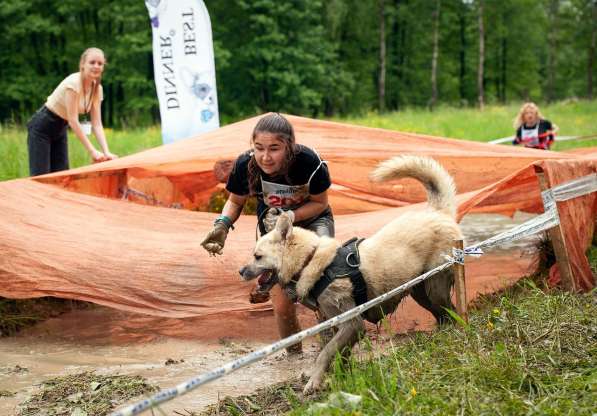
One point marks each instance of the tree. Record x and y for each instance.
(381, 88)
(435, 54)
(480, 86)
(591, 50)
(552, 50)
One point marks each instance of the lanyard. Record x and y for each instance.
(87, 108)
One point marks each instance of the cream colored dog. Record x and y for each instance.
(405, 248)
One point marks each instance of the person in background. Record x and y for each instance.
(284, 176)
(80, 93)
(532, 130)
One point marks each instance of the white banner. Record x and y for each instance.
(184, 69)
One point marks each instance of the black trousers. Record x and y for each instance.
(47, 142)
(323, 225)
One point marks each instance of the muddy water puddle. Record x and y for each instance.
(479, 227)
(169, 351)
(27, 361)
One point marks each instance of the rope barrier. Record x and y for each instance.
(509, 139)
(574, 188)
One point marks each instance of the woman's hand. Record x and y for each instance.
(110, 156)
(97, 156)
(215, 239)
(269, 222)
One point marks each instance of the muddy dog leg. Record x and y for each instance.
(346, 337)
(326, 335)
(434, 295)
(335, 300)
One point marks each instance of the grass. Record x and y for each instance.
(275, 399)
(575, 118)
(524, 351)
(13, 147)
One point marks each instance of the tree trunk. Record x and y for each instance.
(434, 57)
(394, 56)
(591, 57)
(400, 42)
(554, 5)
(462, 53)
(481, 92)
(110, 107)
(504, 69)
(381, 86)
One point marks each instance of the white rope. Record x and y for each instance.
(509, 139)
(534, 226)
(549, 219)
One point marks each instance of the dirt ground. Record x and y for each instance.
(169, 351)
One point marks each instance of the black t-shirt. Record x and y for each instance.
(307, 165)
(544, 139)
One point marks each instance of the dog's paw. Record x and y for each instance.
(302, 289)
(314, 385)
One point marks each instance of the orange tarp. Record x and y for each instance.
(147, 258)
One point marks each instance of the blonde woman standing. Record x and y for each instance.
(79, 94)
(532, 130)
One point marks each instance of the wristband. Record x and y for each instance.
(224, 219)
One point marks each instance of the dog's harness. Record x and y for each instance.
(346, 264)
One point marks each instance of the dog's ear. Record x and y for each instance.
(284, 226)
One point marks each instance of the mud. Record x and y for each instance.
(169, 351)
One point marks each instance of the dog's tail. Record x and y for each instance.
(441, 190)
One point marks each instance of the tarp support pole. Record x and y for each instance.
(557, 240)
(459, 283)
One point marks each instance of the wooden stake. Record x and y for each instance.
(559, 244)
(459, 284)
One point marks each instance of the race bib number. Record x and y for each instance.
(530, 137)
(284, 196)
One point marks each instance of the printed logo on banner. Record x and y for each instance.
(198, 85)
(184, 68)
(155, 7)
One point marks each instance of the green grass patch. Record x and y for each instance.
(15, 162)
(84, 394)
(532, 353)
(574, 117)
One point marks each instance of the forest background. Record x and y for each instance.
(310, 57)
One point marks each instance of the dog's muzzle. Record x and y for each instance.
(265, 279)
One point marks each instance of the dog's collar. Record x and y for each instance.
(297, 275)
